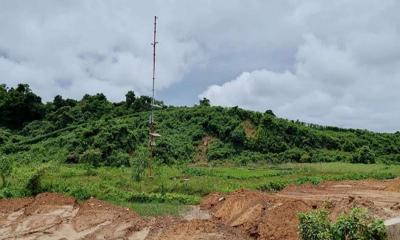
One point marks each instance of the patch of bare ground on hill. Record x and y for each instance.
(243, 214)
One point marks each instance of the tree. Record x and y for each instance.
(130, 98)
(58, 101)
(19, 106)
(205, 102)
(95, 104)
(270, 112)
(5, 170)
(364, 155)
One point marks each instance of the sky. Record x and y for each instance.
(325, 62)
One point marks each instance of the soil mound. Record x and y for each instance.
(259, 215)
(199, 230)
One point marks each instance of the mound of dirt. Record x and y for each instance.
(280, 221)
(393, 185)
(274, 216)
(259, 215)
(198, 230)
(117, 221)
(243, 209)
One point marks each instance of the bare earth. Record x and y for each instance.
(243, 214)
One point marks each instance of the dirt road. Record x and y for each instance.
(243, 214)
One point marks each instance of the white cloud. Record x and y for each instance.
(345, 73)
(78, 47)
(328, 62)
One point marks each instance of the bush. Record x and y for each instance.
(139, 163)
(357, 225)
(5, 170)
(79, 193)
(307, 179)
(118, 158)
(163, 198)
(315, 226)
(275, 186)
(364, 155)
(34, 184)
(91, 156)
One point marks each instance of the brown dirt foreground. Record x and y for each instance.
(243, 214)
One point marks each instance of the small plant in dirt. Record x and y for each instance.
(357, 225)
(5, 170)
(274, 186)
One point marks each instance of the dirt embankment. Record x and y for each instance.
(243, 214)
(54, 216)
(274, 216)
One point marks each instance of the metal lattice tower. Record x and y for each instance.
(152, 125)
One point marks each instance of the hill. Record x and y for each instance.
(96, 131)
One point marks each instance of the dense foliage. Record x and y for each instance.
(357, 225)
(96, 131)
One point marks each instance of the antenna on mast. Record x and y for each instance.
(152, 124)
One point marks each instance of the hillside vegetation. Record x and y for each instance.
(93, 147)
(98, 132)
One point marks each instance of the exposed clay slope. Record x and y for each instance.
(55, 216)
(274, 216)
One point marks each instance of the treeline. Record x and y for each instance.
(21, 109)
(96, 131)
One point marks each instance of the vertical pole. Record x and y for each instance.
(154, 63)
(152, 127)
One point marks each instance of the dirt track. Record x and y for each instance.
(243, 214)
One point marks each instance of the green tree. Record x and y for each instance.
(130, 98)
(19, 106)
(364, 155)
(205, 102)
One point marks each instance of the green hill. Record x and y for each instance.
(93, 147)
(96, 131)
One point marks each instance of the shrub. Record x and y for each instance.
(34, 185)
(79, 193)
(307, 179)
(275, 186)
(364, 155)
(357, 225)
(162, 198)
(5, 170)
(118, 158)
(139, 163)
(91, 156)
(315, 226)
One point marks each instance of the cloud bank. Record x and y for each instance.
(346, 70)
(334, 63)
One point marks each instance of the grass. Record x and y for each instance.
(175, 187)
